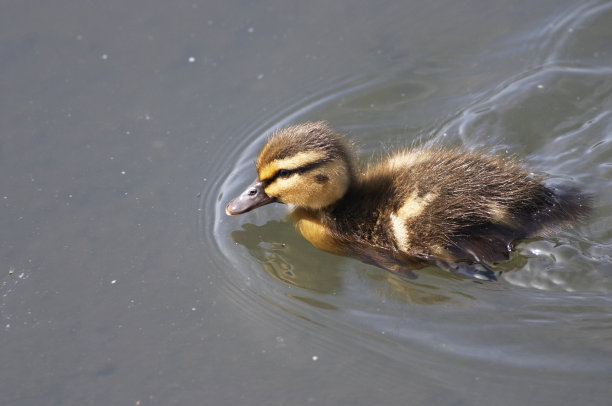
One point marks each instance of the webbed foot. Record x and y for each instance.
(477, 271)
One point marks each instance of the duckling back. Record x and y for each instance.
(450, 205)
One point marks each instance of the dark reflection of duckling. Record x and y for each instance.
(453, 208)
(285, 257)
(273, 245)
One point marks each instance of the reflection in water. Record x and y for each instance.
(412, 292)
(289, 259)
(275, 246)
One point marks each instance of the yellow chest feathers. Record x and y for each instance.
(308, 224)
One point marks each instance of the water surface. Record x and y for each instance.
(123, 136)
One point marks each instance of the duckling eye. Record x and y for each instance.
(284, 173)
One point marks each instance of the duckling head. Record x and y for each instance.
(306, 165)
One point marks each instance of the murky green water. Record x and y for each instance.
(122, 138)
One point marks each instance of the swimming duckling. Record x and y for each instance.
(443, 206)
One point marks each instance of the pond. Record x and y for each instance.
(126, 128)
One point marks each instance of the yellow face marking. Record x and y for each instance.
(412, 207)
(304, 189)
(296, 161)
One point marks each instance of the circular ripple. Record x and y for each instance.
(555, 289)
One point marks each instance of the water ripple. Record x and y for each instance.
(554, 292)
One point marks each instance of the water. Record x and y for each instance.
(122, 139)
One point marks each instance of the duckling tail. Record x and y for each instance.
(556, 208)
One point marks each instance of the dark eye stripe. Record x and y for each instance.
(285, 173)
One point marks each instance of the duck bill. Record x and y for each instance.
(253, 197)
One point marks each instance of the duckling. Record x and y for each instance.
(457, 209)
